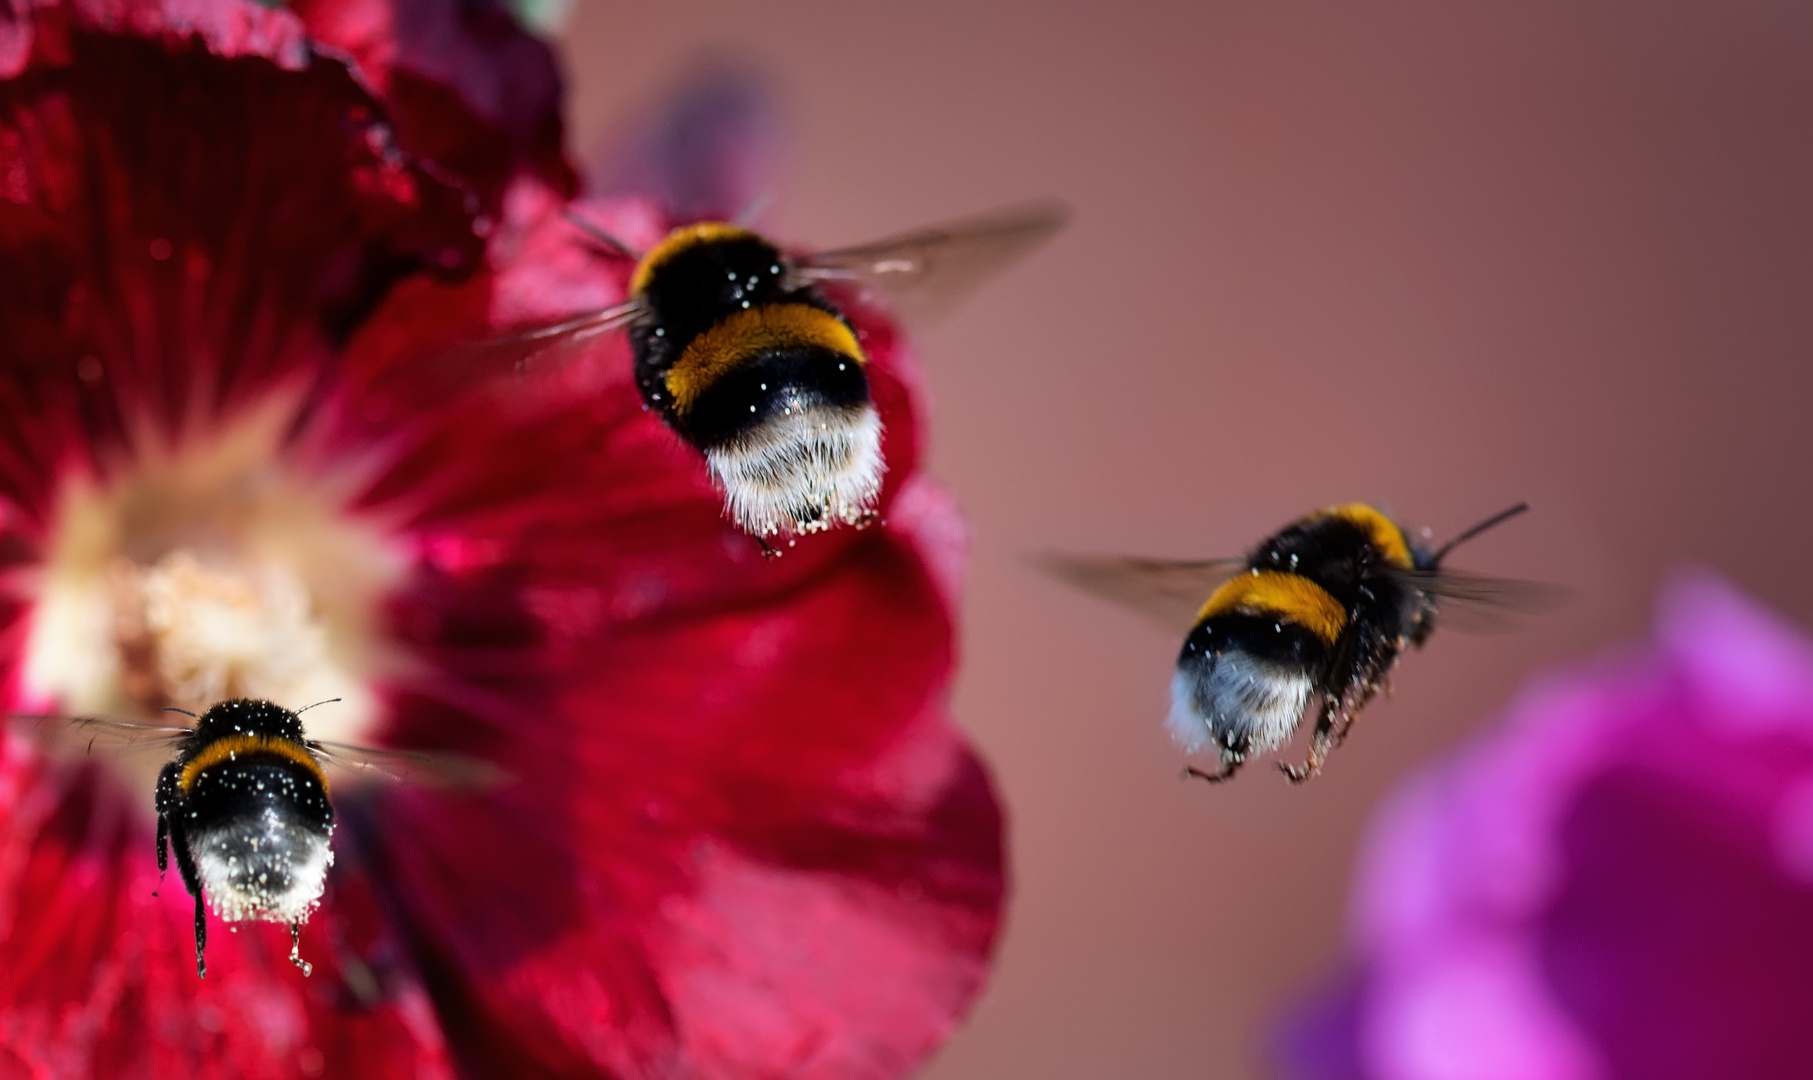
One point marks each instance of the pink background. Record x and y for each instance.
(1442, 256)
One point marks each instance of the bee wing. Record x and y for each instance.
(1479, 604)
(85, 733)
(533, 349)
(1167, 591)
(408, 767)
(923, 273)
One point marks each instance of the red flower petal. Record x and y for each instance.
(753, 841)
(185, 231)
(465, 85)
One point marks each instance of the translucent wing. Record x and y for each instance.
(923, 273)
(1168, 591)
(408, 767)
(1486, 604)
(533, 349)
(85, 734)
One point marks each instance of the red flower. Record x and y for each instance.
(741, 837)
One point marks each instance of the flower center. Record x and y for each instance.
(211, 570)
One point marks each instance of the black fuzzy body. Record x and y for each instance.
(1385, 611)
(235, 801)
(1317, 618)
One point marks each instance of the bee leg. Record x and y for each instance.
(1341, 729)
(1298, 774)
(1229, 766)
(296, 950)
(163, 850)
(201, 939)
(1228, 771)
(185, 864)
(1321, 742)
(769, 551)
(169, 787)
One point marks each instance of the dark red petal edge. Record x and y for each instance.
(466, 86)
(182, 232)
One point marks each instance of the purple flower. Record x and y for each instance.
(1617, 884)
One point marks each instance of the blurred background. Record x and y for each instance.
(1437, 256)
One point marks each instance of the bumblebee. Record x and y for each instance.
(244, 807)
(740, 351)
(1315, 617)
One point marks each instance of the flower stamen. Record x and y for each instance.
(213, 570)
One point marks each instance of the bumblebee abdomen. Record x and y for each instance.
(1243, 680)
(774, 384)
(1282, 598)
(246, 786)
(765, 360)
(259, 830)
(223, 751)
(1261, 646)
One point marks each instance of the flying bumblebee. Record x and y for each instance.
(739, 351)
(1316, 616)
(244, 806)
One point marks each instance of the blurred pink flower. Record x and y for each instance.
(1618, 885)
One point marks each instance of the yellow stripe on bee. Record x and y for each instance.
(232, 747)
(1387, 539)
(1273, 594)
(745, 334)
(686, 236)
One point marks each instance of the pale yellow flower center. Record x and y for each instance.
(209, 570)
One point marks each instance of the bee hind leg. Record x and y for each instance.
(163, 850)
(201, 938)
(1230, 764)
(1324, 739)
(185, 863)
(304, 966)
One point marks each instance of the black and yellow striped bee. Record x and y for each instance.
(244, 807)
(741, 352)
(1316, 616)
